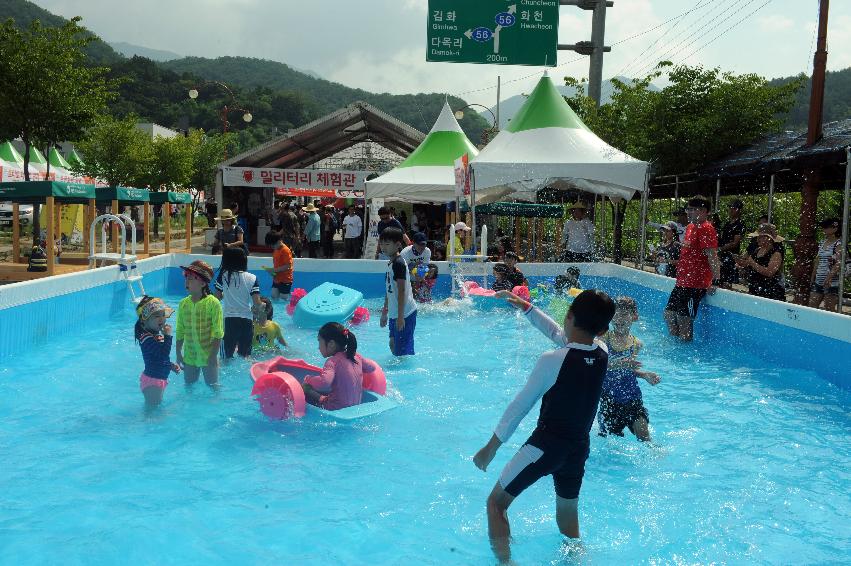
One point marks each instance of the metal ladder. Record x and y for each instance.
(126, 262)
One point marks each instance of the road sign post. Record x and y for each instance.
(503, 32)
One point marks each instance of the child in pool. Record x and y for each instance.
(500, 275)
(239, 292)
(514, 275)
(267, 332)
(399, 305)
(154, 338)
(621, 405)
(423, 279)
(567, 280)
(569, 382)
(340, 384)
(199, 326)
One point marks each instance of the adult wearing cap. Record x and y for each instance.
(461, 230)
(200, 326)
(312, 230)
(697, 271)
(730, 243)
(230, 235)
(825, 276)
(578, 235)
(668, 252)
(764, 266)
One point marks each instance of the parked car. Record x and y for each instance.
(25, 214)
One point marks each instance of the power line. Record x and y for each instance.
(760, 7)
(700, 4)
(683, 41)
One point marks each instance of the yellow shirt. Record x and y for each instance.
(266, 336)
(198, 325)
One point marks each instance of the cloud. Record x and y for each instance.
(775, 23)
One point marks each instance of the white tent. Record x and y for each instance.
(428, 174)
(547, 145)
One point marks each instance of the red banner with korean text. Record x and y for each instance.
(299, 182)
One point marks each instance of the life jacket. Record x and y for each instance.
(38, 260)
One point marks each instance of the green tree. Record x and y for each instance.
(116, 151)
(701, 115)
(49, 94)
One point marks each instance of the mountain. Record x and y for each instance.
(509, 107)
(24, 12)
(279, 96)
(418, 110)
(130, 50)
(837, 98)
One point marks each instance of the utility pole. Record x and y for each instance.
(596, 47)
(805, 245)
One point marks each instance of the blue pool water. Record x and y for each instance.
(750, 464)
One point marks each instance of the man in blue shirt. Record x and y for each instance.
(312, 230)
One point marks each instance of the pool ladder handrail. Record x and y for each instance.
(126, 262)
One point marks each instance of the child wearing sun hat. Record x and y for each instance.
(200, 326)
(154, 338)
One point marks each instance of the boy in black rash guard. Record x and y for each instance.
(570, 381)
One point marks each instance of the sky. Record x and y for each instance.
(379, 45)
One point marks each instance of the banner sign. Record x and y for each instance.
(462, 176)
(326, 193)
(370, 243)
(323, 179)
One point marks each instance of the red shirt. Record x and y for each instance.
(693, 269)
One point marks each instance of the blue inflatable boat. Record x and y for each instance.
(327, 303)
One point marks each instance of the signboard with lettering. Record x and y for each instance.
(503, 32)
(327, 179)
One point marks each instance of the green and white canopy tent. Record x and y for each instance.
(428, 174)
(547, 145)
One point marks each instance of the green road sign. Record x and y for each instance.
(503, 32)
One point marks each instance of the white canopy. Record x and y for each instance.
(428, 174)
(547, 145)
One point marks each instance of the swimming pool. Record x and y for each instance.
(750, 462)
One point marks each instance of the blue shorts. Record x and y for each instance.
(403, 342)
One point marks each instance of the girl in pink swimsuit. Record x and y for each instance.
(340, 384)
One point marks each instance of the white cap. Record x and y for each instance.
(462, 227)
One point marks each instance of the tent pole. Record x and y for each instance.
(771, 198)
(189, 228)
(16, 233)
(676, 192)
(473, 206)
(50, 243)
(645, 194)
(87, 222)
(845, 204)
(147, 235)
(166, 212)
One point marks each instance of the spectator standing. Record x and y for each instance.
(668, 253)
(353, 229)
(681, 220)
(386, 220)
(825, 277)
(211, 208)
(312, 230)
(329, 228)
(698, 270)
(765, 265)
(730, 243)
(578, 235)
